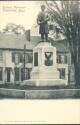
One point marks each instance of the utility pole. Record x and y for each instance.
(24, 61)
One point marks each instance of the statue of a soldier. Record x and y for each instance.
(42, 21)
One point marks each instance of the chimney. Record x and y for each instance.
(27, 33)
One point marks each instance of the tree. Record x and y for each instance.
(13, 28)
(19, 29)
(10, 27)
(67, 15)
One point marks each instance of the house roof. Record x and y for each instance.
(61, 45)
(14, 41)
(11, 41)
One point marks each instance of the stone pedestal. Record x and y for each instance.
(44, 71)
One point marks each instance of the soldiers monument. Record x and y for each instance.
(44, 71)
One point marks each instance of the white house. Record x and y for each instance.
(12, 58)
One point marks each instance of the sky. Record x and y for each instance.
(19, 12)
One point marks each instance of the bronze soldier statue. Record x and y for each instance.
(42, 21)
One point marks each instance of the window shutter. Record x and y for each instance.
(16, 74)
(63, 73)
(60, 59)
(57, 59)
(13, 57)
(1, 56)
(1, 74)
(29, 58)
(21, 58)
(16, 58)
(65, 59)
(26, 58)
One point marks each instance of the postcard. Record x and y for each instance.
(40, 62)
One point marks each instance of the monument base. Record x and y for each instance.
(44, 82)
(44, 71)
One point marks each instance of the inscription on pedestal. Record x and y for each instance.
(36, 59)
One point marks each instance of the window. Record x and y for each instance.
(35, 59)
(25, 74)
(1, 74)
(1, 56)
(30, 57)
(62, 73)
(19, 57)
(15, 57)
(62, 59)
(16, 74)
(26, 57)
(59, 59)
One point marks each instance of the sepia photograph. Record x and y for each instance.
(40, 60)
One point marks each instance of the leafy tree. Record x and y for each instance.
(19, 29)
(67, 15)
(10, 27)
(13, 28)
